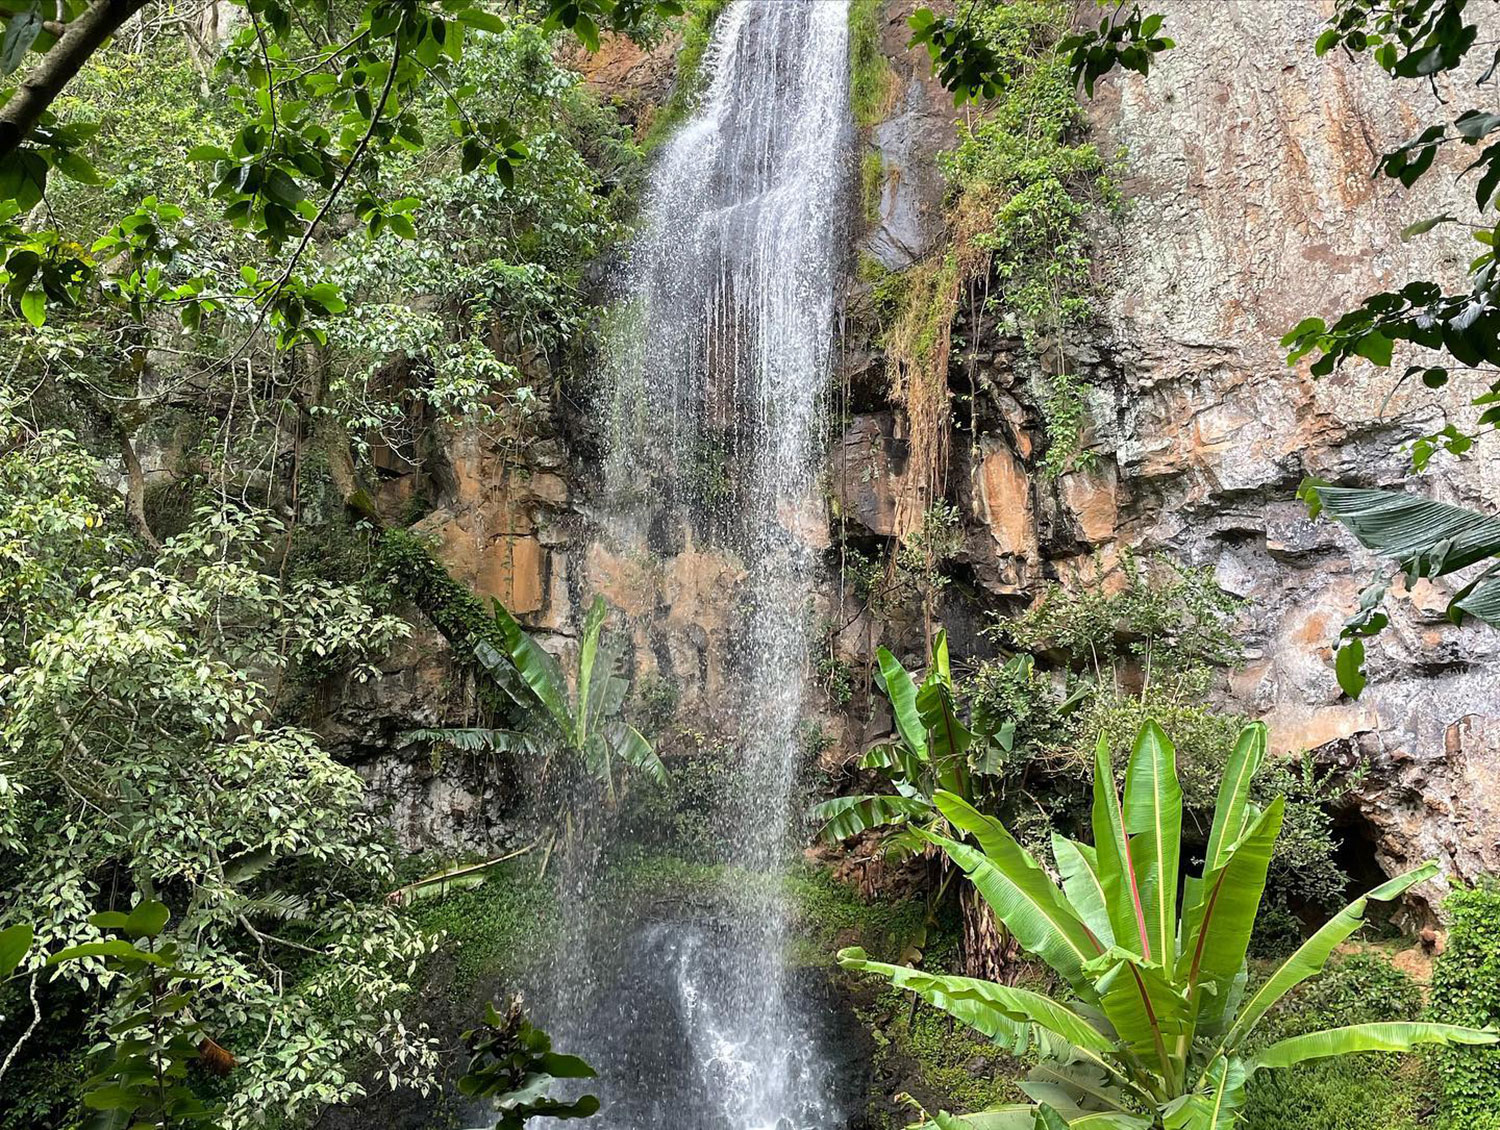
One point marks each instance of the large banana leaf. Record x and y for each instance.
(1079, 868)
(1148, 1012)
(1433, 537)
(948, 737)
(902, 692)
(1122, 895)
(1428, 538)
(588, 652)
(1019, 892)
(1007, 1008)
(635, 751)
(1086, 1085)
(540, 672)
(1394, 1037)
(1230, 900)
(1313, 954)
(847, 816)
(1234, 795)
(471, 739)
(1153, 820)
(1015, 1117)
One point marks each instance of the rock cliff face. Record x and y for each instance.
(1250, 206)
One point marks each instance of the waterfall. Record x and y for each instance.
(718, 371)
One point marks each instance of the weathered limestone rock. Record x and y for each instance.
(1248, 168)
(920, 126)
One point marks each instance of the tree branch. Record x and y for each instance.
(45, 81)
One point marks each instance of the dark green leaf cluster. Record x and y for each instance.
(963, 57)
(1131, 43)
(1408, 38)
(513, 1065)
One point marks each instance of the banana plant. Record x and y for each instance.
(1153, 1028)
(934, 751)
(583, 721)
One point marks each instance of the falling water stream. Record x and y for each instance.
(719, 369)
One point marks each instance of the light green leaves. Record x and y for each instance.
(15, 942)
(1395, 1037)
(902, 693)
(1019, 892)
(1002, 1008)
(847, 816)
(1143, 1033)
(1153, 819)
(1313, 954)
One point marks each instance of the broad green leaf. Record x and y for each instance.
(1148, 1012)
(1234, 795)
(1015, 1117)
(1079, 868)
(631, 747)
(1392, 1037)
(949, 737)
(1214, 953)
(15, 943)
(114, 947)
(147, 920)
(1480, 598)
(1313, 954)
(1112, 854)
(847, 816)
(1086, 1084)
(588, 650)
(1153, 819)
(539, 670)
(1432, 538)
(21, 31)
(34, 306)
(471, 739)
(902, 692)
(982, 1016)
(940, 662)
(1019, 892)
(1012, 1006)
(482, 20)
(1047, 1118)
(1214, 1104)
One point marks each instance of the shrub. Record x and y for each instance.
(1466, 989)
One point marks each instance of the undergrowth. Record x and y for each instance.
(1040, 185)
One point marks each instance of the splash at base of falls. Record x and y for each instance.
(672, 1051)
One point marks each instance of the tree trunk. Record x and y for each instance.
(986, 947)
(57, 66)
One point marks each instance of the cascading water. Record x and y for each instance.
(719, 368)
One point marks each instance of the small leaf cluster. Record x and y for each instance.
(1408, 38)
(965, 61)
(513, 1065)
(1129, 40)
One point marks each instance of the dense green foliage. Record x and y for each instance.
(1466, 990)
(1035, 189)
